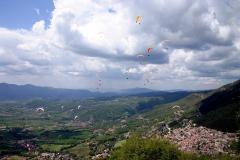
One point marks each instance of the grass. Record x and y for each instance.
(119, 143)
(16, 158)
(80, 151)
(53, 147)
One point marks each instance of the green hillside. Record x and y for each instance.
(87, 127)
(221, 110)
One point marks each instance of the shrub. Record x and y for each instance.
(137, 148)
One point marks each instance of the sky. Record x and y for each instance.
(98, 45)
(17, 14)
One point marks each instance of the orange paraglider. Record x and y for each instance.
(138, 19)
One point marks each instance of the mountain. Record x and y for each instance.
(18, 92)
(23, 92)
(136, 90)
(221, 109)
(224, 96)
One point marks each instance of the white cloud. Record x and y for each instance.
(195, 44)
(39, 27)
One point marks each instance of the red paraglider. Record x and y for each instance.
(149, 50)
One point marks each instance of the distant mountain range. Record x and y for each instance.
(23, 92)
(137, 90)
(17, 92)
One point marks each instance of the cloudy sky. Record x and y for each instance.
(98, 44)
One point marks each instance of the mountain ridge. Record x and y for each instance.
(221, 109)
(29, 91)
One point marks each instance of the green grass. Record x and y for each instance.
(53, 147)
(80, 151)
(120, 143)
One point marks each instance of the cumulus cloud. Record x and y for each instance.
(195, 45)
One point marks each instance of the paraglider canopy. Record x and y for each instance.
(40, 109)
(138, 19)
(149, 50)
(76, 117)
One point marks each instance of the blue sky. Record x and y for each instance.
(24, 13)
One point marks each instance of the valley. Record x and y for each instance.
(85, 128)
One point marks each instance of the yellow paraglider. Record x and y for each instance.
(138, 19)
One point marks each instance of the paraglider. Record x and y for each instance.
(76, 117)
(138, 19)
(127, 73)
(166, 40)
(141, 57)
(163, 45)
(99, 81)
(146, 82)
(148, 77)
(149, 50)
(40, 109)
(99, 84)
(214, 15)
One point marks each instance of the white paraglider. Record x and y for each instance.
(40, 109)
(76, 117)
